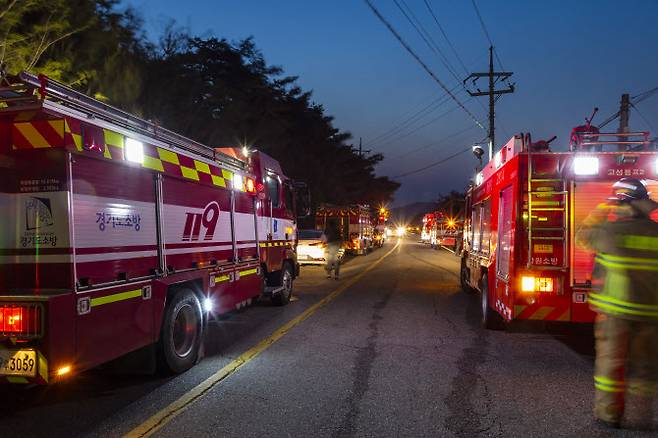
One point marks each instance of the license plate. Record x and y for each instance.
(18, 363)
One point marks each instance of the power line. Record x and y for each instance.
(426, 37)
(418, 115)
(643, 118)
(486, 32)
(436, 20)
(429, 122)
(420, 61)
(429, 166)
(634, 100)
(433, 143)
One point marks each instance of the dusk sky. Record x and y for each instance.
(567, 57)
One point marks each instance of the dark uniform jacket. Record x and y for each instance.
(627, 251)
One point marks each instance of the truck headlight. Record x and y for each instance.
(586, 165)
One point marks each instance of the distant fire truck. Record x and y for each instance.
(354, 223)
(426, 229)
(522, 214)
(119, 235)
(445, 231)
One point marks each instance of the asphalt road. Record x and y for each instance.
(393, 348)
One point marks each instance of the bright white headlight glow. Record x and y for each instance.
(207, 304)
(238, 182)
(134, 150)
(586, 165)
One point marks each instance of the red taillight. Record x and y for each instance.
(20, 320)
(251, 185)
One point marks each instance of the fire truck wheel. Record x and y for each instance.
(464, 276)
(182, 330)
(285, 281)
(490, 319)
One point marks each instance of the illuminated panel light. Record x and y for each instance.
(134, 151)
(586, 166)
(528, 284)
(479, 178)
(238, 182)
(245, 151)
(498, 158)
(536, 284)
(251, 185)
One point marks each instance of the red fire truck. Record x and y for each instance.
(119, 235)
(354, 224)
(445, 231)
(522, 213)
(428, 225)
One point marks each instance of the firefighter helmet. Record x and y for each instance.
(629, 189)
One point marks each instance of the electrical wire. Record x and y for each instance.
(644, 118)
(432, 143)
(634, 100)
(486, 33)
(429, 122)
(409, 121)
(454, 51)
(426, 37)
(429, 166)
(420, 61)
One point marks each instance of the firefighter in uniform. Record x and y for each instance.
(626, 242)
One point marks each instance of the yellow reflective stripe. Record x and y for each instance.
(626, 259)
(32, 135)
(218, 181)
(227, 174)
(606, 381)
(106, 153)
(14, 379)
(620, 306)
(623, 265)
(116, 297)
(153, 163)
(648, 243)
(622, 302)
(248, 272)
(190, 173)
(201, 167)
(43, 366)
(606, 388)
(168, 156)
(113, 138)
(222, 278)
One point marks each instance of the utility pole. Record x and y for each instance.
(361, 151)
(493, 76)
(624, 108)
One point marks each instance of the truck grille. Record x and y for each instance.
(21, 320)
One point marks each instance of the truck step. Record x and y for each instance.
(272, 290)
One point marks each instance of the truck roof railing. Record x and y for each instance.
(623, 141)
(23, 93)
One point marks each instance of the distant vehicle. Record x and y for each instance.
(428, 223)
(354, 224)
(311, 249)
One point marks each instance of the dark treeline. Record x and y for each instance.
(212, 90)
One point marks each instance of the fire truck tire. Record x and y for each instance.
(490, 319)
(285, 280)
(464, 276)
(182, 332)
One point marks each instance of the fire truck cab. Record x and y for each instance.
(119, 235)
(428, 224)
(522, 213)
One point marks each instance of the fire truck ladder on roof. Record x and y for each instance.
(35, 90)
(547, 202)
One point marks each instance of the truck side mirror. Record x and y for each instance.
(302, 199)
